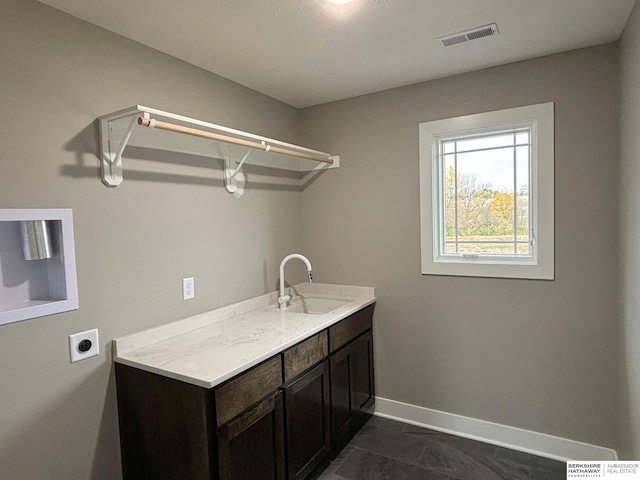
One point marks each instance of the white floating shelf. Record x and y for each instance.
(149, 128)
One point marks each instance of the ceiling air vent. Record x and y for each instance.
(467, 36)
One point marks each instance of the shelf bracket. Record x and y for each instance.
(111, 158)
(230, 174)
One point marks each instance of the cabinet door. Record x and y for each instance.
(252, 445)
(341, 396)
(308, 433)
(363, 381)
(352, 389)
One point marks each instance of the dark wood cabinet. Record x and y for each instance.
(162, 435)
(252, 445)
(308, 431)
(244, 390)
(352, 379)
(279, 420)
(363, 379)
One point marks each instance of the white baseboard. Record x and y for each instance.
(502, 435)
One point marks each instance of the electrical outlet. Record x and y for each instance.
(188, 288)
(83, 345)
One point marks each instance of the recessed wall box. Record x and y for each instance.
(37, 263)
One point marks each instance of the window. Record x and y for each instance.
(486, 194)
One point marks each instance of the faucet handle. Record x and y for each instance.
(283, 300)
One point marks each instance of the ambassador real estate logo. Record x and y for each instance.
(613, 470)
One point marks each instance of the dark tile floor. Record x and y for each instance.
(389, 450)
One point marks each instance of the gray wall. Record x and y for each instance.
(539, 355)
(629, 234)
(134, 243)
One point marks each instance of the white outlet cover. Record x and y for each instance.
(188, 288)
(74, 345)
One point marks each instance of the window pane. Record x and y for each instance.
(522, 169)
(481, 178)
(448, 147)
(522, 137)
(486, 195)
(450, 246)
(491, 168)
(449, 183)
(502, 208)
(522, 198)
(487, 248)
(478, 143)
(480, 201)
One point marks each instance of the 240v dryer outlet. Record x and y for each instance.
(84, 345)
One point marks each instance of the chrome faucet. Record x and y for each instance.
(283, 299)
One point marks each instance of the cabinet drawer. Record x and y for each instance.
(300, 357)
(246, 389)
(346, 330)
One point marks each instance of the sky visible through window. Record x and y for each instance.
(491, 158)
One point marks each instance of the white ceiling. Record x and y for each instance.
(306, 52)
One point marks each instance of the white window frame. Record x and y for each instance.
(538, 265)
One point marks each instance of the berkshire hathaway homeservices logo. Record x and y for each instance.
(612, 470)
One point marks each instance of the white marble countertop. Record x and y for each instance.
(212, 347)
